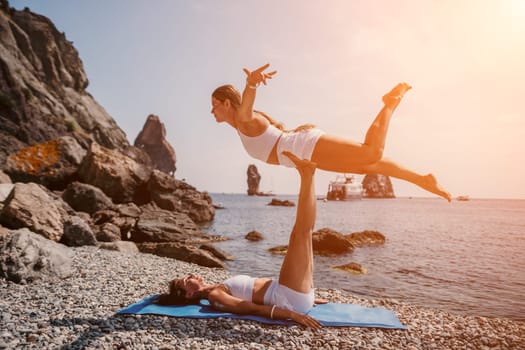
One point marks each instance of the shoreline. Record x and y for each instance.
(79, 313)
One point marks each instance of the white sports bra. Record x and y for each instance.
(241, 286)
(260, 147)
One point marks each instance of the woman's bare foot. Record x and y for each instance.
(395, 95)
(430, 184)
(303, 166)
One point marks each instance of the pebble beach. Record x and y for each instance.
(80, 313)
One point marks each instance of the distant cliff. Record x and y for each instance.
(377, 186)
(43, 88)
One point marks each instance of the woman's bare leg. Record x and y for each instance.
(337, 154)
(388, 167)
(298, 265)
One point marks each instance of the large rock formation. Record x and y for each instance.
(253, 180)
(377, 186)
(55, 137)
(43, 88)
(152, 139)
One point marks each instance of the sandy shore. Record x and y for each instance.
(79, 313)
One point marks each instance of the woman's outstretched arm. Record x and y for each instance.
(223, 301)
(253, 79)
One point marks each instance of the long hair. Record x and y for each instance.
(229, 92)
(175, 296)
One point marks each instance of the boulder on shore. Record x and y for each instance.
(182, 252)
(36, 208)
(120, 177)
(53, 164)
(26, 256)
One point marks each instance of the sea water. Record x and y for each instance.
(463, 257)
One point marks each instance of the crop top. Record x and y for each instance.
(241, 286)
(260, 147)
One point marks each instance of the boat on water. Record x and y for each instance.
(463, 198)
(344, 187)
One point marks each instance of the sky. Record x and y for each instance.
(463, 121)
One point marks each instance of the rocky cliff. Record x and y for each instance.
(67, 171)
(377, 186)
(43, 88)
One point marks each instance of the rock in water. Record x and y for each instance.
(254, 178)
(377, 186)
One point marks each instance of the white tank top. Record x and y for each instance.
(260, 147)
(241, 286)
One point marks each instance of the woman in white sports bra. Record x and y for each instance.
(289, 297)
(266, 140)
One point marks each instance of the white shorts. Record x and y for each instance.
(286, 298)
(300, 143)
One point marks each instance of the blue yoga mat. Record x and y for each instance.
(331, 314)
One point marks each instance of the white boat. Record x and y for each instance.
(344, 187)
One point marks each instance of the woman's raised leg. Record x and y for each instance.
(298, 265)
(388, 167)
(338, 154)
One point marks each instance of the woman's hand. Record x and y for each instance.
(258, 76)
(305, 320)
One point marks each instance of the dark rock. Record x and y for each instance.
(33, 206)
(352, 267)
(77, 233)
(377, 186)
(279, 250)
(86, 198)
(218, 253)
(281, 202)
(4, 178)
(121, 246)
(43, 89)
(254, 236)
(362, 238)
(326, 242)
(26, 257)
(108, 232)
(182, 252)
(174, 195)
(152, 139)
(254, 178)
(157, 225)
(53, 163)
(120, 177)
